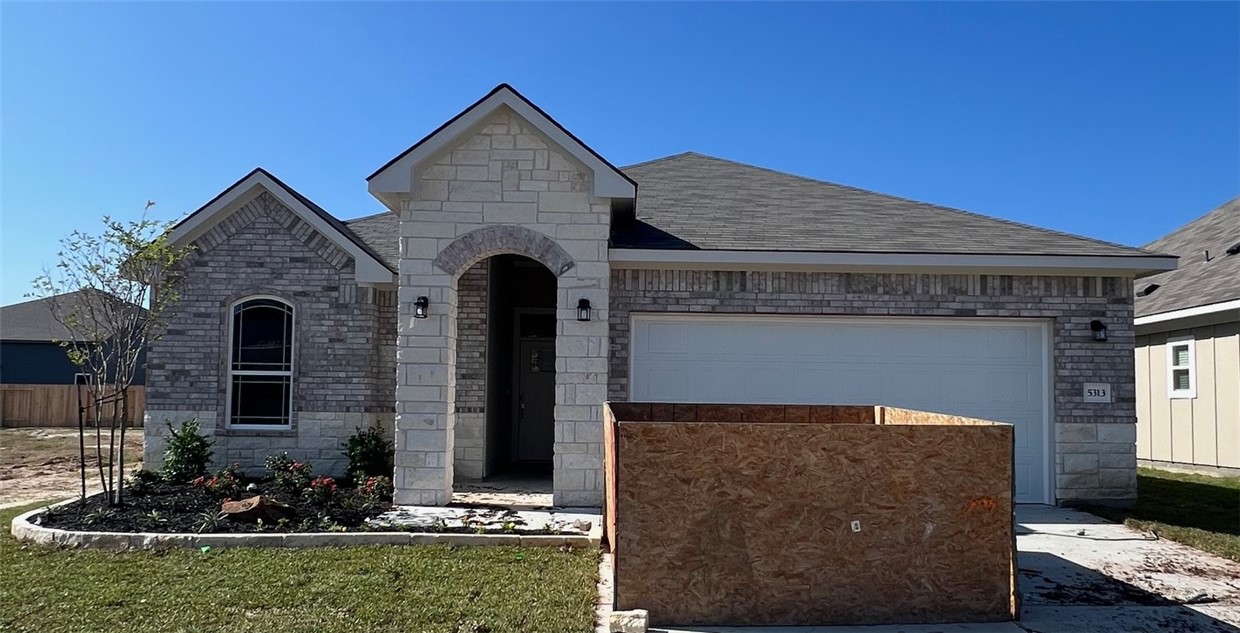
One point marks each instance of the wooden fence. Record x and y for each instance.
(56, 406)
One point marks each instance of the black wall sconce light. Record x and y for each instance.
(583, 310)
(1100, 331)
(419, 307)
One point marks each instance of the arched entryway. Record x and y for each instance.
(505, 387)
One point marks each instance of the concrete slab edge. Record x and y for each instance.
(24, 530)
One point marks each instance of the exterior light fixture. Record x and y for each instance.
(1100, 331)
(419, 307)
(583, 310)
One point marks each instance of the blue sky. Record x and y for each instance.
(1119, 121)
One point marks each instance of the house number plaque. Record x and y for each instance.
(1097, 392)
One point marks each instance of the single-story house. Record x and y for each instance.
(36, 378)
(517, 280)
(1188, 349)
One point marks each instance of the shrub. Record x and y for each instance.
(370, 454)
(187, 454)
(321, 492)
(225, 484)
(142, 482)
(288, 475)
(374, 490)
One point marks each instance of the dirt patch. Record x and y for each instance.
(1094, 590)
(38, 464)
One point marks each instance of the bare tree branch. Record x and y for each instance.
(113, 294)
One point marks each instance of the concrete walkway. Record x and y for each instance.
(1080, 574)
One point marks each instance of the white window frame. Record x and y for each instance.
(229, 372)
(1172, 343)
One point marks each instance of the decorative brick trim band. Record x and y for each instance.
(500, 239)
(23, 530)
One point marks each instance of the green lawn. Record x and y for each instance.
(372, 589)
(1196, 510)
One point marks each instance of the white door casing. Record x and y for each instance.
(995, 369)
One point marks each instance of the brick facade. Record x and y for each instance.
(344, 340)
(471, 373)
(1093, 443)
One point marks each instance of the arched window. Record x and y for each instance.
(260, 363)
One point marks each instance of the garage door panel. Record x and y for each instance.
(978, 369)
(665, 336)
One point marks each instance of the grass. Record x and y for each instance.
(1197, 510)
(328, 590)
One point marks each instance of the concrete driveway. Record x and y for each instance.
(1080, 574)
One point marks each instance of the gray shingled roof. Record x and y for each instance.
(382, 233)
(691, 201)
(33, 320)
(1197, 282)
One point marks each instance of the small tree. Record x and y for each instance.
(113, 293)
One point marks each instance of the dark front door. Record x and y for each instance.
(535, 382)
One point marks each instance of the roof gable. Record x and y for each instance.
(692, 201)
(369, 266)
(395, 178)
(1198, 281)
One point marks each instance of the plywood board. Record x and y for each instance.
(727, 523)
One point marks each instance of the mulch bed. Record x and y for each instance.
(170, 507)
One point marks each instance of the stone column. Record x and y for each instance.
(581, 362)
(425, 380)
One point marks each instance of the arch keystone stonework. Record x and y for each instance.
(500, 239)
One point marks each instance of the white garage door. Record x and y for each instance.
(986, 369)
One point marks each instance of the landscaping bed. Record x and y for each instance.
(172, 507)
(183, 498)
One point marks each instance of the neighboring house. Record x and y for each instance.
(1188, 348)
(518, 280)
(36, 377)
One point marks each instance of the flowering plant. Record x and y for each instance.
(224, 484)
(288, 474)
(374, 490)
(321, 491)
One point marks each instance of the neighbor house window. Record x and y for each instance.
(1181, 368)
(260, 363)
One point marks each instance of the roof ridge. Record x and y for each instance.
(663, 158)
(367, 217)
(1220, 209)
(62, 296)
(920, 202)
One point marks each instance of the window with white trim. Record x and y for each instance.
(1181, 368)
(260, 363)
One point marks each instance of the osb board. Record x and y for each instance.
(896, 415)
(757, 413)
(749, 524)
(609, 477)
